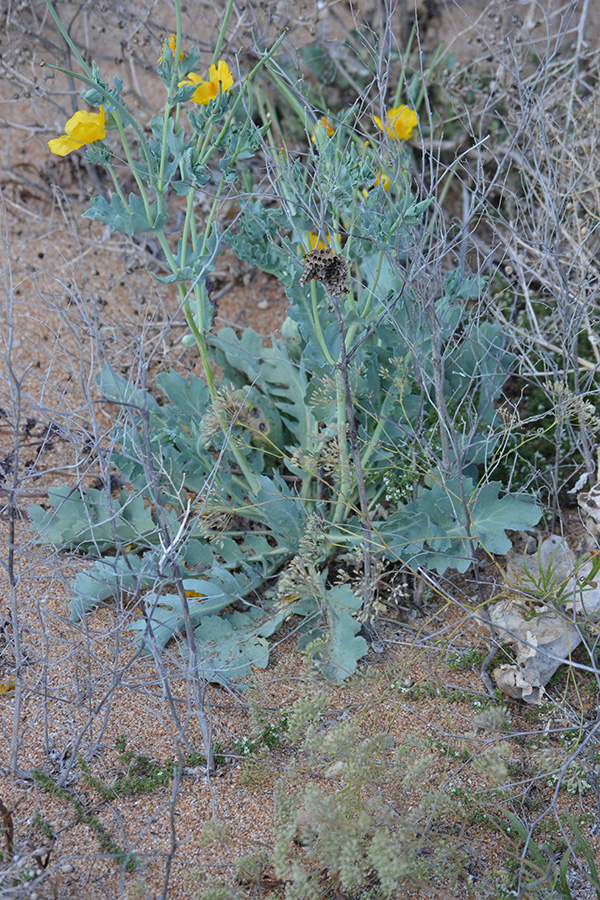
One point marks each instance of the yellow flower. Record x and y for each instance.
(317, 243)
(400, 123)
(323, 123)
(220, 79)
(82, 128)
(172, 42)
(382, 179)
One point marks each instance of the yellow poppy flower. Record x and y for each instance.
(220, 78)
(323, 123)
(400, 123)
(317, 243)
(82, 128)
(172, 42)
(382, 179)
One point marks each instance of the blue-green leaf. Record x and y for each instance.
(274, 504)
(132, 219)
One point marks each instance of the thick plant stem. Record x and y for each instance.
(365, 521)
(345, 476)
(440, 398)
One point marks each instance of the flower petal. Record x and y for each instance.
(82, 128)
(203, 94)
(403, 121)
(383, 180)
(86, 127)
(191, 78)
(316, 242)
(323, 123)
(224, 75)
(400, 122)
(208, 90)
(62, 146)
(172, 42)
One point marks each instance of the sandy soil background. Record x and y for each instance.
(73, 297)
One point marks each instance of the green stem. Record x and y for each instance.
(68, 39)
(201, 154)
(317, 326)
(379, 428)
(287, 94)
(251, 479)
(212, 214)
(342, 507)
(191, 321)
(199, 337)
(168, 105)
(436, 56)
(133, 167)
(120, 193)
(197, 327)
(259, 65)
(205, 359)
(189, 223)
(439, 205)
(189, 215)
(402, 79)
(221, 37)
(367, 309)
(164, 245)
(268, 115)
(177, 6)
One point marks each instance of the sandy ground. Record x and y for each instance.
(73, 298)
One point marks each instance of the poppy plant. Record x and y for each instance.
(219, 79)
(317, 243)
(382, 179)
(171, 41)
(323, 123)
(400, 122)
(82, 128)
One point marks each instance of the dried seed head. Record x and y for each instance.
(328, 268)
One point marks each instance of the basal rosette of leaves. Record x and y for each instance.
(238, 493)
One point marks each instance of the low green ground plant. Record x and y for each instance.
(241, 488)
(141, 774)
(88, 817)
